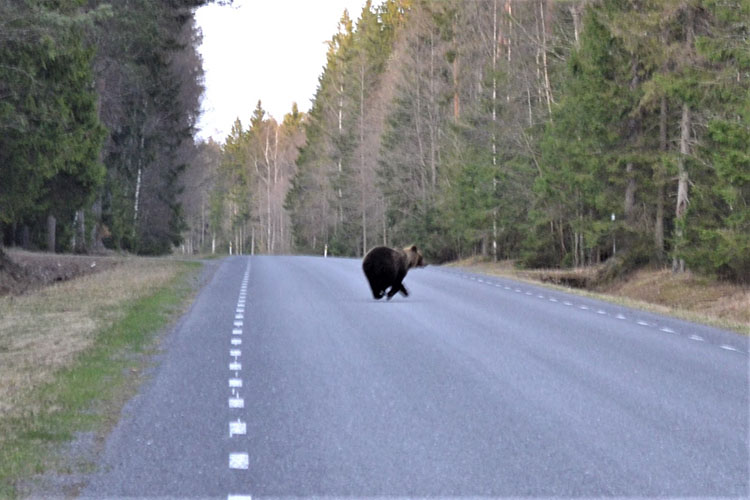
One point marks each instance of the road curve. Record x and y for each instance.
(286, 378)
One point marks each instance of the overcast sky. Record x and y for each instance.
(272, 50)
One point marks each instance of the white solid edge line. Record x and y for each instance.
(729, 348)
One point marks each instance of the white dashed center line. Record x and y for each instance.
(238, 428)
(239, 461)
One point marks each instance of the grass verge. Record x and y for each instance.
(105, 349)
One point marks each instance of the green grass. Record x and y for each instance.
(89, 394)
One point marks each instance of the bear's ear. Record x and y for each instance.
(413, 248)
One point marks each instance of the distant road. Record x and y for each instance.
(300, 384)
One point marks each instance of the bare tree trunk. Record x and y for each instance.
(268, 196)
(547, 87)
(51, 229)
(575, 12)
(80, 246)
(634, 126)
(495, 51)
(629, 191)
(362, 156)
(25, 237)
(659, 222)
(138, 185)
(456, 97)
(678, 264)
(433, 117)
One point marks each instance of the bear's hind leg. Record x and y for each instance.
(403, 291)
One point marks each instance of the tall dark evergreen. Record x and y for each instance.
(50, 135)
(98, 103)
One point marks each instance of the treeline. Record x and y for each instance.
(98, 105)
(236, 200)
(557, 133)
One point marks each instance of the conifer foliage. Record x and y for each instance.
(557, 133)
(98, 103)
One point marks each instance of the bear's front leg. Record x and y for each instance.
(403, 291)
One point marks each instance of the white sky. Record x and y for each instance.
(272, 50)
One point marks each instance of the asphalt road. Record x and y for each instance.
(303, 385)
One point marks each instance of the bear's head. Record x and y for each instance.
(414, 257)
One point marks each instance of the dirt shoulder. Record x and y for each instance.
(687, 295)
(30, 271)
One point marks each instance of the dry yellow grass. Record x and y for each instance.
(687, 291)
(44, 331)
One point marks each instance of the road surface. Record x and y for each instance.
(286, 378)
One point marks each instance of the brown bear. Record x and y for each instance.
(386, 267)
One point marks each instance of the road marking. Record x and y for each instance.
(239, 497)
(517, 290)
(238, 323)
(236, 341)
(238, 428)
(235, 366)
(665, 329)
(236, 331)
(601, 311)
(240, 461)
(240, 310)
(506, 287)
(235, 382)
(239, 316)
(236, 402)
(552, 299)
(585, 308)
(529, 293)
(620, 316)
(642, 323)
(235, 352)
(729, 348)
(567, 303)
(480, 281)
(540, 296)
(697, 338)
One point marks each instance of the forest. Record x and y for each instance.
(98, 106)
(554, 133)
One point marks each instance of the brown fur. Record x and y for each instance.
(386, 268)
